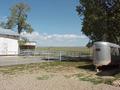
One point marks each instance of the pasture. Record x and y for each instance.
(65, 51)
(81, 50)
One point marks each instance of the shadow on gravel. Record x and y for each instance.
(87, 67)
(109, 70)
(77, 59)
(104, 70)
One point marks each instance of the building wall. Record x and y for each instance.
(8, 46)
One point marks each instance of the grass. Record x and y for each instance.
(68, 50)
(96, 80)
(47, 66)
(44, 77)
(84, 74)
(117, 76)
(93, 79)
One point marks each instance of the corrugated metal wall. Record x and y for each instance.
(8, 46)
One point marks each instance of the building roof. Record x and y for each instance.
(30, 43)
(8, 32)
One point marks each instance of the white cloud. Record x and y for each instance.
(55, 39)
(3, 19)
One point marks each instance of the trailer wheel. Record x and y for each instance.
(97, 69)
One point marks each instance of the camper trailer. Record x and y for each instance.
(105, 53)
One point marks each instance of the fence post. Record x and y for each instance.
(48, 55)
(60, 56)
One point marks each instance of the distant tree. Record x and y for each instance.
(22, 41)
(101, 19)
(10, 23)
(2, 24)
(18, 17)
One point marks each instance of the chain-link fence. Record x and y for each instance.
(52, 54)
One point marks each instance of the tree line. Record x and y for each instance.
(100, 19)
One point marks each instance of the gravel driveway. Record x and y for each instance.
(43, 79)
(14, 60)
(56, 82)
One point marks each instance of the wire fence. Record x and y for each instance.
(57, 54)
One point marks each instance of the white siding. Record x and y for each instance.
(8, 46)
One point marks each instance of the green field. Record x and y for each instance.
(67, 50)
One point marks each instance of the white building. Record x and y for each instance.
(8, 42)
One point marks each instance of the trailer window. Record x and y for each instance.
(97, 49)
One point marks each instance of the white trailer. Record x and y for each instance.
(103, 52)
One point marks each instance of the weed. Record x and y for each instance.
(44, 77)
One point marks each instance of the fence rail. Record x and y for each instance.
(56, 54)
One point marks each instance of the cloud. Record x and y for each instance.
(45, 39)
(3, 19)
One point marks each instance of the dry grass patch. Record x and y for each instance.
(70, 70)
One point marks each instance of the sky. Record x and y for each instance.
(55, 22)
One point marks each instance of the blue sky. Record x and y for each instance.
(55, 22)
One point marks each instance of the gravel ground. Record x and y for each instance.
(45, 79)
(55, 81)
(14, 60)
